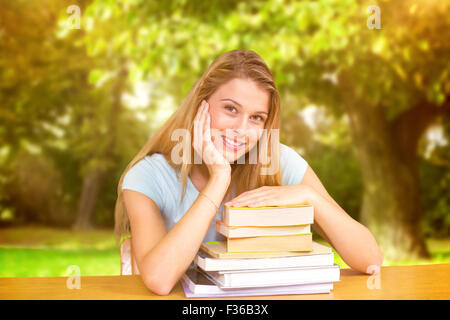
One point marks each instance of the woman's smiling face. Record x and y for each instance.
(239, 111)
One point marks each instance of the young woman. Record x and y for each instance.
(170, 206)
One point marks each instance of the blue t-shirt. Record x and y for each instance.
(154, 177)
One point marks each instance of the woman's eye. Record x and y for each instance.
(259, 118)
(230, 108)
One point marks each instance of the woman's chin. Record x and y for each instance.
(232, 157)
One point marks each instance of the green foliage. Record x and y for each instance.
(35, 189)
(436, 201)
(435, 183)
(339, 172)
(332, 156)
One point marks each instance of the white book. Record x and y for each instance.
(268, 215)
(274, 277)
(241, 232)
(196, 284)
(207, 263)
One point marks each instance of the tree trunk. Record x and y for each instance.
(391, 206)
(93, 180)
(92, 183)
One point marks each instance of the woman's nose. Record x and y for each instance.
(241, 125)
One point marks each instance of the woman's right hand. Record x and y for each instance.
(203, 145)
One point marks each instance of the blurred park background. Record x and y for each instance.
(84, 84)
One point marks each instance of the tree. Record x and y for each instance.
(52, 102)
(387, 131)
(41, 77)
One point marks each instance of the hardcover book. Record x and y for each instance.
(218, 249)
(242, 232)
(208, 263)
(298, 242)
(274, 277)
(288, 215)
(197, 285)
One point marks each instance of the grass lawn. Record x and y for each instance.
(47, 252)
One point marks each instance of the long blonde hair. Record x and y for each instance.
(244, 64)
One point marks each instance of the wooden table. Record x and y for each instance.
(405, 282)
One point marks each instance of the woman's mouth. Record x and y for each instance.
(232, 145)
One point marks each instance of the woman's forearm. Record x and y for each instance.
(166, 262)
(353, 241)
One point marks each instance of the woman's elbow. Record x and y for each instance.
(158, 278)
(374, 257)
(370, 263)
(378, 261)
(162, 290)
(374, 263)
(158, 285)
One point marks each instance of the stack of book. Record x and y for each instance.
(268, 251)
(265, 229)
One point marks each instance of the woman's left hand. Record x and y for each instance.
(273, 196)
